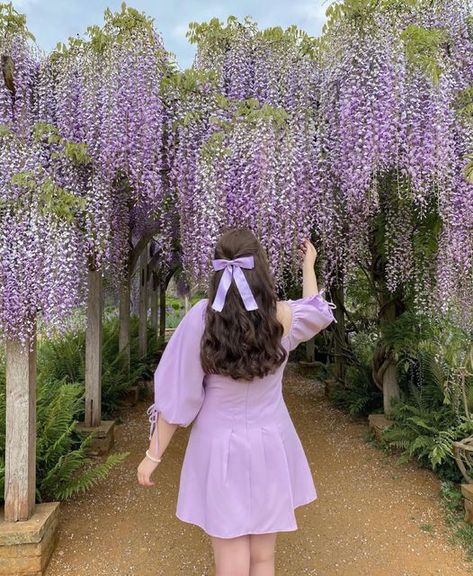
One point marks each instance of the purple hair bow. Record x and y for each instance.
(232, 270)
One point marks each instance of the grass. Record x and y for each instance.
(452, 503)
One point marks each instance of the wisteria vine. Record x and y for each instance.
(289, 135)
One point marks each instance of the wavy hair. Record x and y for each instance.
(236, 342)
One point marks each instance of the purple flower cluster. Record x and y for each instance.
(270, 129)
(247, 146)
(330, 136)
(391, 143)
(70, 197)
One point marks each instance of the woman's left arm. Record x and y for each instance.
(147, 466)
(178, 387)
(165, 430)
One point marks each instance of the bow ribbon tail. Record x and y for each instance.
(245, 290)
(222, 290)
(153, 417)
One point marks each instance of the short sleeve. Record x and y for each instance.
(310, 315)
(178, 380)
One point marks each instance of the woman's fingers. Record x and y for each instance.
(307, 250)
(146, 482)
(144, 479)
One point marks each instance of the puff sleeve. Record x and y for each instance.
(310, 315)
(178, 380)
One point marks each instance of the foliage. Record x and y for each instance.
(427, 432)
(12, 22)
(358, 394)
(400, 120)
(250, 153)
(423, 48)
(86, 150)
(435, 404)
(452, 503)
(62, 359)
(267, 122)
(61, 455)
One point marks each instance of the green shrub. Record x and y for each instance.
(426, 422)
(60, 452)
(358, 394)
(426, 434)
(63, 358)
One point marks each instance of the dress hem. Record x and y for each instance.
(292, 529)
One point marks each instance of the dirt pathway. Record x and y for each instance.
(366, 520)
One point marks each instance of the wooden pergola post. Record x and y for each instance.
(143, 306)
(154, 300)
(124, 315)
(20, 438)
(103, 430)
(28, 530)
(93, 349)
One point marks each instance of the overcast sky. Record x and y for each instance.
(52, 21)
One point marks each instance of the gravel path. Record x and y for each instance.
(366, 521)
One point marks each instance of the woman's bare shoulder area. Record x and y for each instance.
(284, 315)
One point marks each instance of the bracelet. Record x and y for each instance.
(157, 460)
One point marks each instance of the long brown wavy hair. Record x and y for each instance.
(236, 342)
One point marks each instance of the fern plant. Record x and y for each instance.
(422, 432)
(63, 359)
(430, 414)
(62, 465)
(358, 396)
(425, 426)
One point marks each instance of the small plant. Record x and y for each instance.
(63, 358)
(358, 396)
(452, 504)
(434, 408)
(61, 453)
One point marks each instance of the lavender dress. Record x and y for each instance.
(244, 469)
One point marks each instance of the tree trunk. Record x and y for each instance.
(154, 301)
(162, 311)
(389, 376)
(143, 313)
(310, 350)
(93, 350)
(390, 305)
(124, 319)
(20, 436)
(340, 366)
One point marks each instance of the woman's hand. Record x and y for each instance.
(307, 253)
(145, 469)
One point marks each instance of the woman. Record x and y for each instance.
(244, 471)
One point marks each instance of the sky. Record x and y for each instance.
(53, 21)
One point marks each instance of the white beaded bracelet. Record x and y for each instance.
(157, 460)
